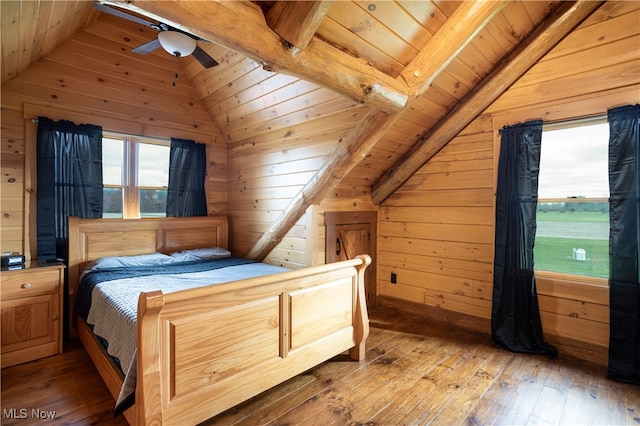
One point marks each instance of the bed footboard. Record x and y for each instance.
(202, 351)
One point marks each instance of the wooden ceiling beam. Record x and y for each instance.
(241, 26)
(297, 21)
(445, 45)
(556, 26)
(375, 124)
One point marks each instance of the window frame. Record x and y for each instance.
(130, 171)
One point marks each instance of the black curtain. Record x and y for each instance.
(624, 244)
(69, 179)
(187, 172)
(515, 317)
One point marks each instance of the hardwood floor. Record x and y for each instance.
(416, 372)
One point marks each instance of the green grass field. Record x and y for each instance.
(556, 255)
(590, 217)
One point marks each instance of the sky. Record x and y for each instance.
(153, 163)
(574, 162)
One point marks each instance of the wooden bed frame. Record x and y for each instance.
(205, 350)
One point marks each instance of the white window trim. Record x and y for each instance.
(574, 122)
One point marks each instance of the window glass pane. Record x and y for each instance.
(574, 162)
(573, 238)
(112, 154)
(135, 169)
(153, 165)
(153, 202)
(112, 202)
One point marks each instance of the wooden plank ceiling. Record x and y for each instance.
(388, 73)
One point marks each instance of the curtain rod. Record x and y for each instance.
(35, 120)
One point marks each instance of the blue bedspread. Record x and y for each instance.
(97, 276)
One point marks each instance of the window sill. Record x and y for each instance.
(575, 287)
(580, 279)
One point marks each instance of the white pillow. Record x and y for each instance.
(208, 253)
(151, 259)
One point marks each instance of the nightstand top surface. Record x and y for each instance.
(34, 264)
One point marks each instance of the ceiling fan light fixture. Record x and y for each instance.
(176, 43)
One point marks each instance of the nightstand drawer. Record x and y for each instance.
(31, 282)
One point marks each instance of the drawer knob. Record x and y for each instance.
(26, 285)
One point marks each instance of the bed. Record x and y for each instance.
(204, 350)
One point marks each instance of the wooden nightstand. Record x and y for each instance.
(31, 304)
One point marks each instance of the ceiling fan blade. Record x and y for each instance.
(147, 47)
(113, 11)
(204, 58)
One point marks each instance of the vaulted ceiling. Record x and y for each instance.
(399, 78)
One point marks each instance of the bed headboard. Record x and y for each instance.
(90, 239)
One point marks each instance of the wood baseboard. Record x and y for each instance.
(581, 350)
(457, 319)
(566, 346)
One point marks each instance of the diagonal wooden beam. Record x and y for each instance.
(241, 26)
(297, 21)
(467, 21)
(351, 151)
(555, 27)
(459, 30)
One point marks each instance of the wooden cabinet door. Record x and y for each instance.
(352, 240)
(29, 322)
(349, 234)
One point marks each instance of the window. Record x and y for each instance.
(135, 175)
(572, 233)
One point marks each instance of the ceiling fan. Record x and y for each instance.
(175, 41)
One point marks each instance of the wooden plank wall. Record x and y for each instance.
(92, 78)
(280, 130)
(271, 162)
(31, 29)
(436, 232)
